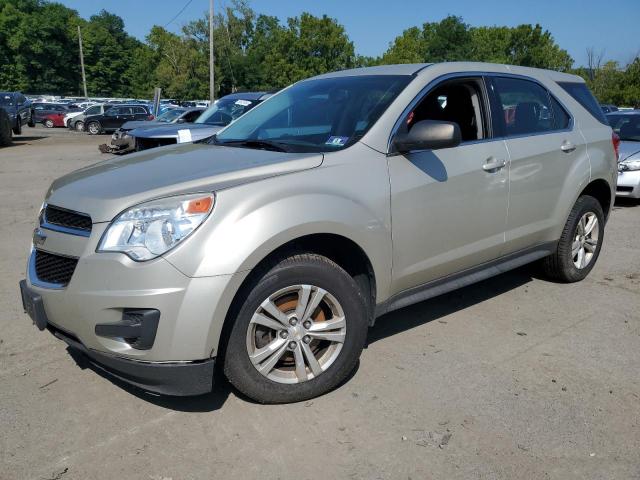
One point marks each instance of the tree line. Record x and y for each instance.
(39, 52)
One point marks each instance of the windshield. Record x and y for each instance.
(626, 126)
(169, 116)
(317, 115)
(6, 100)
(224, 111)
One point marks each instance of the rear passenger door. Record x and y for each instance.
(139, 113)
(548, 159)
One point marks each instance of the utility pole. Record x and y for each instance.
(212, 88)
(84, 78)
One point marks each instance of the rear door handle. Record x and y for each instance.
(567, 147)
(493, 164)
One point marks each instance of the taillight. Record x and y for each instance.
(615, 139)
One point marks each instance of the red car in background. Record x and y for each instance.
(53, 120)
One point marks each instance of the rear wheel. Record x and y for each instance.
(298, 333)
(580, 243)
(94, 128)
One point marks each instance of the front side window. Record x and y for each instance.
(526, 106)
(6, 100)
(318, 115)
(457, 101)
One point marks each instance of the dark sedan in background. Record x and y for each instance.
(18, 108)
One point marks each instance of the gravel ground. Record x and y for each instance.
(514, 377)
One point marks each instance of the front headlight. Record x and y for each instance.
(629, 165)
(150, 229)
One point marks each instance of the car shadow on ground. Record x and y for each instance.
(24, 140)
(433, 309)
(623, 202)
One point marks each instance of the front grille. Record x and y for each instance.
(54, 269)
(147, 143)
(66, 218)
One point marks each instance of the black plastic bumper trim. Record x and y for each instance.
(171, 378)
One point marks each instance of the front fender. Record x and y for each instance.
(252, 220)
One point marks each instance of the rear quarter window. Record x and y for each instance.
(581, 94)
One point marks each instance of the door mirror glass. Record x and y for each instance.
(429, 135)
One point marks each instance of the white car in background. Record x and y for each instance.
(627, 126)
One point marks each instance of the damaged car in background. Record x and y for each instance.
(122, 142)
(219, 115)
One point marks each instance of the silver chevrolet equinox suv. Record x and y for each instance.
(268, 249)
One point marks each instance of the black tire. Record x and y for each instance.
(560, 266)
(79, 126)
(48, 123)
(95, 126)
(300, 269)
(5, 129)
(18, 129)
(31, 123)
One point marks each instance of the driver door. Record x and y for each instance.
(448, 206)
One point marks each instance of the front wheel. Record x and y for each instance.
(298, 333)
(79, 126)
(48, 123)
(580, 243)
(94, 128)
(18, 129)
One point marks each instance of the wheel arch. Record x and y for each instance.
(602, 192)
(340, 249)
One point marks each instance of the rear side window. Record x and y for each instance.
(584, 97)
(140, 110)
(526, 106)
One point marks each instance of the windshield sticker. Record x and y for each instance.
(244, 103)
(184, 136)
(337, 141)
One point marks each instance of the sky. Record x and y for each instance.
(609, 26)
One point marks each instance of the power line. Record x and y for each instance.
(178, 14)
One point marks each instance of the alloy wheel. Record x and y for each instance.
(296, 334)
(585, 241)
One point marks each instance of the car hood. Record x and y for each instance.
(628, 150)
(105, 189)
(197, 131)
(134, 124)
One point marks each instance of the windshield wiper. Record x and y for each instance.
(259, 144)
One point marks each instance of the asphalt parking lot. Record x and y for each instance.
(515, 377)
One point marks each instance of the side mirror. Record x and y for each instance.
(428, 135)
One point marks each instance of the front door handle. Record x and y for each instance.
(493, 164)
(567, 147)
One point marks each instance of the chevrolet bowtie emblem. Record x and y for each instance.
(39, 237)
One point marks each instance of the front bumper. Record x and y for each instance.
(628, 184)
(166, 378)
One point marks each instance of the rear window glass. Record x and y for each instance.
(584, 97)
